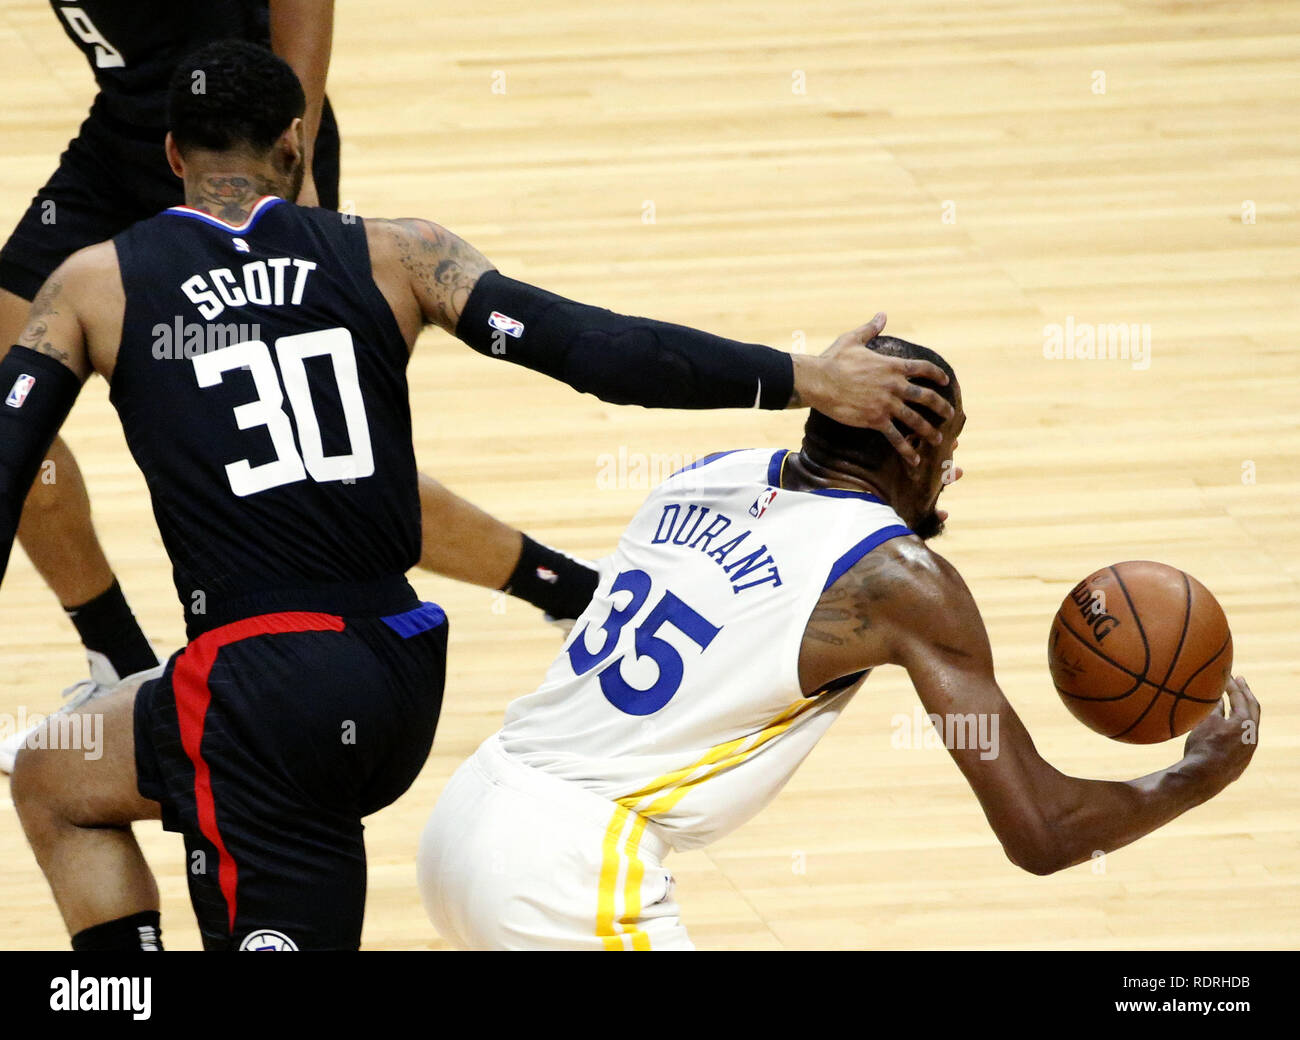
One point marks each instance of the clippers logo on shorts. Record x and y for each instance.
(21, 388)
(505, 323)
(761, 503)
(267, 939)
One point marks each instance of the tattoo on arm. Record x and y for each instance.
(443, 267)
(826, 621)
(35, 334)
(843, 615)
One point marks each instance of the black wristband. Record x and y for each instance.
(621, 359)
(558, 584)
(39, 392)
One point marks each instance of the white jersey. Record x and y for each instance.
(677, 694)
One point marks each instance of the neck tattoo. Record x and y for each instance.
(231, 197)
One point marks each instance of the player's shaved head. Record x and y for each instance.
(830, 447)
(827, 441)
(232, 95)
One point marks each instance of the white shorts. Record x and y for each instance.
(516, 859)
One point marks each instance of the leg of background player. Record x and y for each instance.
(58, 536)
(77, 812)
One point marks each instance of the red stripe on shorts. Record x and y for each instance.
(190, 687)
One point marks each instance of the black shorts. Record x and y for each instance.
(109, 177)
(266, 741)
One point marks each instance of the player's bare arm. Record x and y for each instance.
(73, 327)
(53, 328)
(658, 364)
(426, 274)
(424, 271)
(41, 376)
(905, 605)
(76, 318)
(302, 33)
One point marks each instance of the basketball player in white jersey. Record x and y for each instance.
(739, 615)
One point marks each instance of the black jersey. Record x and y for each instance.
(261, 383)
(133, 46)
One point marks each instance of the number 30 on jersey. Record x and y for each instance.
(267, 409)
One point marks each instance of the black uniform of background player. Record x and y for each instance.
(308, 695)
(114, 172)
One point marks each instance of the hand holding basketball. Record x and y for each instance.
(1223, 744)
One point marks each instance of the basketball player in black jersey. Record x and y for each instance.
(114, 173)
(284, 485)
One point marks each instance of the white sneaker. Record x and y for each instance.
(103, 679)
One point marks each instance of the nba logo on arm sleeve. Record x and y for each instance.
(21, 388)
(504, 323)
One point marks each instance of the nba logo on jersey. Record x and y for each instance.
(506, 324)
(21, 388)
(761, 503)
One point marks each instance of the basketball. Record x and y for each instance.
(1140, 651)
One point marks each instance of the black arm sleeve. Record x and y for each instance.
(620, 359)
(39, 393)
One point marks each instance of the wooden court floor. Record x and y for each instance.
(986, 172)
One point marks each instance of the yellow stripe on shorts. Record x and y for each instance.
(610, 933)
(609, 865)
(666, 791)
(632, 887)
